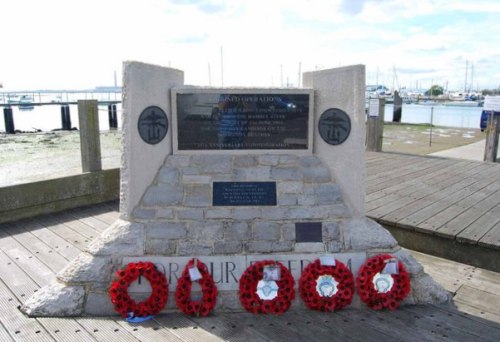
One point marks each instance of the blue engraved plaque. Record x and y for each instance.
(244, 193)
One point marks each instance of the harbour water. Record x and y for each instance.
(442, 115)
(48, 117)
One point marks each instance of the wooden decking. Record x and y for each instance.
(32, 251)
(446, 207)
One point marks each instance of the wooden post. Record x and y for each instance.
(375, 129)
(112, 118)
(90, 143)
(9, 120)
(492, 131)
(398, 107)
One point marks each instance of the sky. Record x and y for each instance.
(74, 44)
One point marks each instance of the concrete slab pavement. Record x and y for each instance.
(474, 151)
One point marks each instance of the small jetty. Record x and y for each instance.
(444, 207)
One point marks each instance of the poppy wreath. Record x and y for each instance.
(251, 301)
(374, 298)
(208, 289)
(122, 301)
(338, 296)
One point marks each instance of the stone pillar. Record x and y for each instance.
(144, 85)
(90, 143)
(344, 89)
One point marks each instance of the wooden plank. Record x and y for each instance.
(438, 205)
(479, 228)
(405, 216)
(491, 238)
(453, 328)
(105, 329)
(4, 334)
(408, 172)
(346, 326)
(396, 169)
(65, 329)
(38, 248)
(481, 300)
(426, 190)
(20, 327)
(280, 328)
(484, 280)
(76, 239)
(473, 312)
(57, 243)
(149, 330)
(102, 212)
(230, 327)
(408, 187)
(319, 322)
(88, 220)
(185, 329)
(456, 209)
(36, 270)
(78, 226)
(397, 325)
(390, 207)
(462, 221)
(16, 279)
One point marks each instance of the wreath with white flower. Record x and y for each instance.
(381, 289)
(326, 287)
(261, 296)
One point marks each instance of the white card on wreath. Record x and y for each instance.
(271, 273)
(391, 267)
(194, 273)
(327, 260)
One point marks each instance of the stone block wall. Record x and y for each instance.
(179, 218)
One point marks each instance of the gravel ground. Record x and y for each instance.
(30, 157)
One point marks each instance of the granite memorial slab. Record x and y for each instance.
(242, 121)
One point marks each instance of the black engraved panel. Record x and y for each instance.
(334, 126)
(308, 232)
(152, 125)
(244, 193)
(220, 121)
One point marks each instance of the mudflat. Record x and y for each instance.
(28, 157)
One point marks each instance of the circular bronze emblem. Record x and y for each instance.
(334, 126)
(152, 125)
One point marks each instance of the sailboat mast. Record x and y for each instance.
(466, 72)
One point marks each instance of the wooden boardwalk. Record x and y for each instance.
(32, 251)
(445, 207)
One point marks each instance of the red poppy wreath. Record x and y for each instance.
(326, 288)
(121, 299)
(199, 272)
(379, 288)
(263, 296)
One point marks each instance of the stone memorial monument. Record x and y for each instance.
(231, 177)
